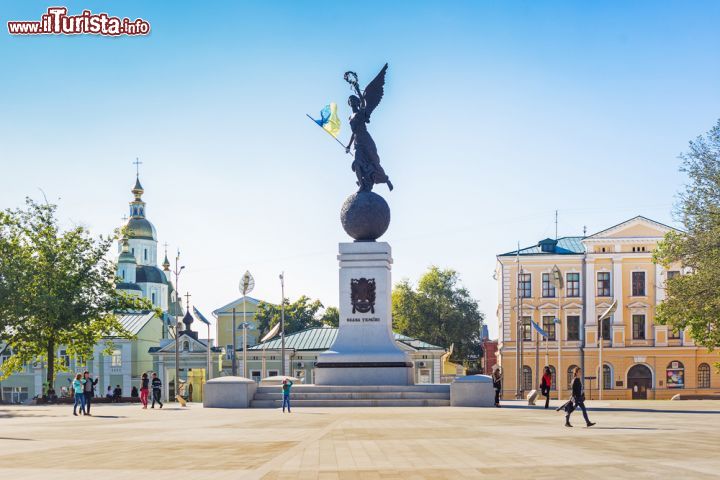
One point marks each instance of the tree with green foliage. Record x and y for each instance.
(331, 317)
(57, 288)
(299, 315)
(692, 301)
(440, 311)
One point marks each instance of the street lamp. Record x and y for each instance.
(282, 324)
(245, 326)
(178, 270)
(247, 283)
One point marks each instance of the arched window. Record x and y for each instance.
(186, 346)
(703, 380)
(553, 385)
(570, 372)
(607, 377)
(675, 375)
(527, 378)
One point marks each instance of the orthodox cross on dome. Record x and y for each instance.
(188, 318)
(137, 164)
(166, 262)
(187, 300)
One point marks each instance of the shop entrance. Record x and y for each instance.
(639, 381)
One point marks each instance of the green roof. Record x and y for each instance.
(322, 338)
(565, 246)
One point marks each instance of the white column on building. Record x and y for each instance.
(437, 369)
(126, 350)
(166, 383)
(39, 379)
(618, 290)
(95, 370)
(107, 362)
(659, 285)
(590, 314)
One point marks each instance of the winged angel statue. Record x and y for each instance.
(367, 161)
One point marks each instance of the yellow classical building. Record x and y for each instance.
(641, 360)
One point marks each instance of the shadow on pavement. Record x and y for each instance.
(619, 409)
(629, 428)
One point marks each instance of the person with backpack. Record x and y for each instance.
(497, 385)
(578, 399)
(286, 386)
(545, 385)
(156, 390)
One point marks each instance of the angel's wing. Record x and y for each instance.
(374, 92)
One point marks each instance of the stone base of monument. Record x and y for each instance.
(472, 391)
(364, 351)
(354, 374)
(229, 392)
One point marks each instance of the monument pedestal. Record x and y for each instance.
(364, 352)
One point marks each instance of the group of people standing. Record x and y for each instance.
(84, 390)
(145, 385)
(576, 401)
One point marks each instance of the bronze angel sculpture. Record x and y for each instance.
(366, 164)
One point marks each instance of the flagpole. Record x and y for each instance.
(334, 138)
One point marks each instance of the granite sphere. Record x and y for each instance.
(365, 216)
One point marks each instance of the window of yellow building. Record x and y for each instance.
(638, 284)
(675, 375)
(573, 327)
(703, 374)
(638, 327)
(603, 284)
(548, 287)
(573, 285)
(524, 285)
(527, 378)
(549, 327)
(526, 329)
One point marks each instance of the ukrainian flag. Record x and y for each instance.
(329, 120)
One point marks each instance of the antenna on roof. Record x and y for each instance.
(584, 230)
(556, 225)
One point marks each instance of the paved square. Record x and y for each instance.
(631, 440)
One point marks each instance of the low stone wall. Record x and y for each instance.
(472, 391)
(71, 400)
(229, 392)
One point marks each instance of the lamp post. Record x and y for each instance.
(247, 283)
(245, 326)
(282, 323)
(178, 270)
(558, 280)
(606, 314)
(234, 345)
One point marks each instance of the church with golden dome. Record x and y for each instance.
(138, 272)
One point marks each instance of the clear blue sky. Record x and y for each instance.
(495, 115)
